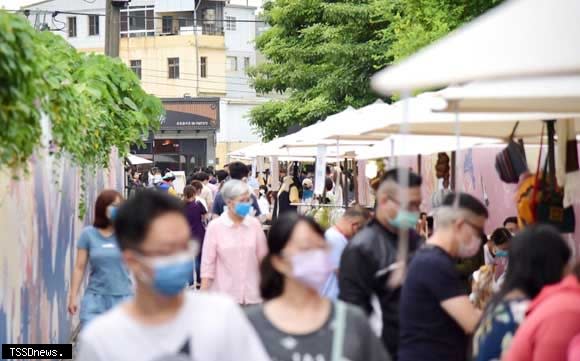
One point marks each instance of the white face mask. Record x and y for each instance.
(312, 268)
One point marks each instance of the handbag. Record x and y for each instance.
(511, 162)
(550, 209)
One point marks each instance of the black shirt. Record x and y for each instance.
(427, 332)
(365, 267)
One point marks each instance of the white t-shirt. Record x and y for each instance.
(208, 327)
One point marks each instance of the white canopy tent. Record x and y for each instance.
(317, 134)
(369, 116)
(518, 38)
(402, 145)
(135, 160)
(424, 121)
(541, 94)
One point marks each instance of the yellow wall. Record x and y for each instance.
(153, 52)
(223, 148)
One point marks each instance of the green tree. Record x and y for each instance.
(322, 53)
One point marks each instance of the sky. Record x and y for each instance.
(15, 4)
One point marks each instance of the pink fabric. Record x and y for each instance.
(574, 350)
(231, 257)
(553, 320)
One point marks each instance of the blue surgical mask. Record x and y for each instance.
(308, 193)
(170, 278)
(242, 209)
(501, 253)
(405, 219)
(113, 212)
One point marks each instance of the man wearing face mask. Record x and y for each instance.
(436, 314)
(371, 256)
(162, 321)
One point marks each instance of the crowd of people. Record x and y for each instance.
(231, 270)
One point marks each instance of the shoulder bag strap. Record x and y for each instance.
(339, 331)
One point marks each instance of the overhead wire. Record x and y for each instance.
(130, 15)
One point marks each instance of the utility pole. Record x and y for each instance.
(195, 6)
(112, 28)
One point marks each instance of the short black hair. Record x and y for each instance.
(501, 236)
(398, 174)
(200, 176)
(467, 202)
(135, 216)
(510, 220)
(221, 175)
(238, 170)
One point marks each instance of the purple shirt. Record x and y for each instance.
(194, 212)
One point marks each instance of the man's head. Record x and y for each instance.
(500, 239)
(460, 221)
(352, 220)
(221, 175)
(155, 239)
(511, 224)
(202, 177)
(238, 170)
(169, 177)
(390, 211)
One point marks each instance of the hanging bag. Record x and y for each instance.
(511, 162)
(550, 207)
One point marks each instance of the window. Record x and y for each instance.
(173, 67)
(167, 25)
(246, 62)
(72, 27)
(93, 25)
(231, 63)
(203, 67)
(230, 23)
(136, 67)
(137, 21)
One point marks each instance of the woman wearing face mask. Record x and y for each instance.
(296, 323)
(537, 257)
(488, 278)
(233, 247)
(109, 281)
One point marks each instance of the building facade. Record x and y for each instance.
(192, 55)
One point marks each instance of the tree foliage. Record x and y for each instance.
(94, 102)
(322, 53)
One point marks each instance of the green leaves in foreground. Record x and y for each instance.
(94, 102)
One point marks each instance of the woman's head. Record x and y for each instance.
(236, 195)
(189, 192)
(294, 242)
(537, 257)
(105, 208)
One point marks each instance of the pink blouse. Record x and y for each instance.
(231, 257)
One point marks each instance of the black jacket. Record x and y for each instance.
(364, 271)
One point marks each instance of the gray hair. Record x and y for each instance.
(233, 189)
(444, 216)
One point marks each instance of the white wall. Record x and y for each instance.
(82, 40)
(240, 44)
(234, 124)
